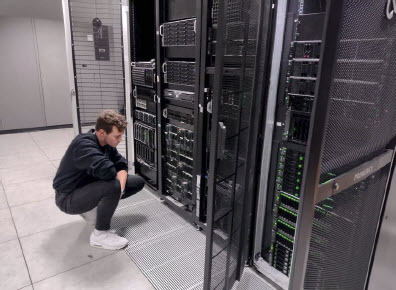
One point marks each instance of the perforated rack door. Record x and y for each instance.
(353, 121)
(232, 104)
(362, 120)
(99, 83)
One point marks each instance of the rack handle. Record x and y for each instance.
(164, 68)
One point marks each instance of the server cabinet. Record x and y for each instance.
(321, 202)
(179, 44)
(144, 107)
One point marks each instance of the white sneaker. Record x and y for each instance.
(90, 216)
(107, 240)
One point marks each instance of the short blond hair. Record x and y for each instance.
(109, 118)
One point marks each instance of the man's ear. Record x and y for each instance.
(102, 132)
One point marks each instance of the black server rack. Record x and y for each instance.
(144, 95)
(295, 99)
(331, 151)
(178, 59)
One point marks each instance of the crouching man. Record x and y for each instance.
(92, 177)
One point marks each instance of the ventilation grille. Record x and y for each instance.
(362, 109)
(343, 234)
(179, 33)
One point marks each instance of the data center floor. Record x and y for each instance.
(43, 248)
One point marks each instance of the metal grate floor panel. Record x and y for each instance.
(251, 280)
(167, 249)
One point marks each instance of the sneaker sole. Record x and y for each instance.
(107, 247)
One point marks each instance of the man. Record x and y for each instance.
(92, 176)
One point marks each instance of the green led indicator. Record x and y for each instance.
(299, 173)
(298, 180)
(299, 166)
(289, 211)
(286, 224)
(297, 187)
(301, 158)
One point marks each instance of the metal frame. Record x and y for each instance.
(353, 176)
(262, 72)
(127, 84)
(312, 164)
(280, 23)
(220, 46)
(159, 8)
(201, 41)
(71, 67)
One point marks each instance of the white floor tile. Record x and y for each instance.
(56, 162)
(7, 227)
(30, 287)
(54, 153)
(58, 250)
(3, 200)
(13, 271)
(44, 169)
(39, 216)
(113, 272)
(20, 142)
(30, 191)
(22, 159)
(52, 138)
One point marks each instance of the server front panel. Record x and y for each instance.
(144, 83)
(299, 70)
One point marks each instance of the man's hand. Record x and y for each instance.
(122, 176)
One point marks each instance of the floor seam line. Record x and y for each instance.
(19, 241)
(49, 229)
(30, 202)
(90, 262)
(42, 151)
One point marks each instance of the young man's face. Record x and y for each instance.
(114, 138)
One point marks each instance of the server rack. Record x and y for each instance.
(321, 202)
(181, 108)
(144, 90)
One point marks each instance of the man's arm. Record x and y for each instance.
(86, 156)
(122, 176)
(119, 161)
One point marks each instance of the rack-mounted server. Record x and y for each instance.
(145, 119)
(296, 96)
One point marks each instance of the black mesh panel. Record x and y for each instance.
(362, 108)
(234, 112)
(343, 235)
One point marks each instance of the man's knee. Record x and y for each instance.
(135, 182)
(112, 187)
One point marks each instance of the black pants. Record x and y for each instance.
(104, 195)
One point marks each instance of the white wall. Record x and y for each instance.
(33, 74)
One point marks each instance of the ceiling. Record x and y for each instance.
(51, 9)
